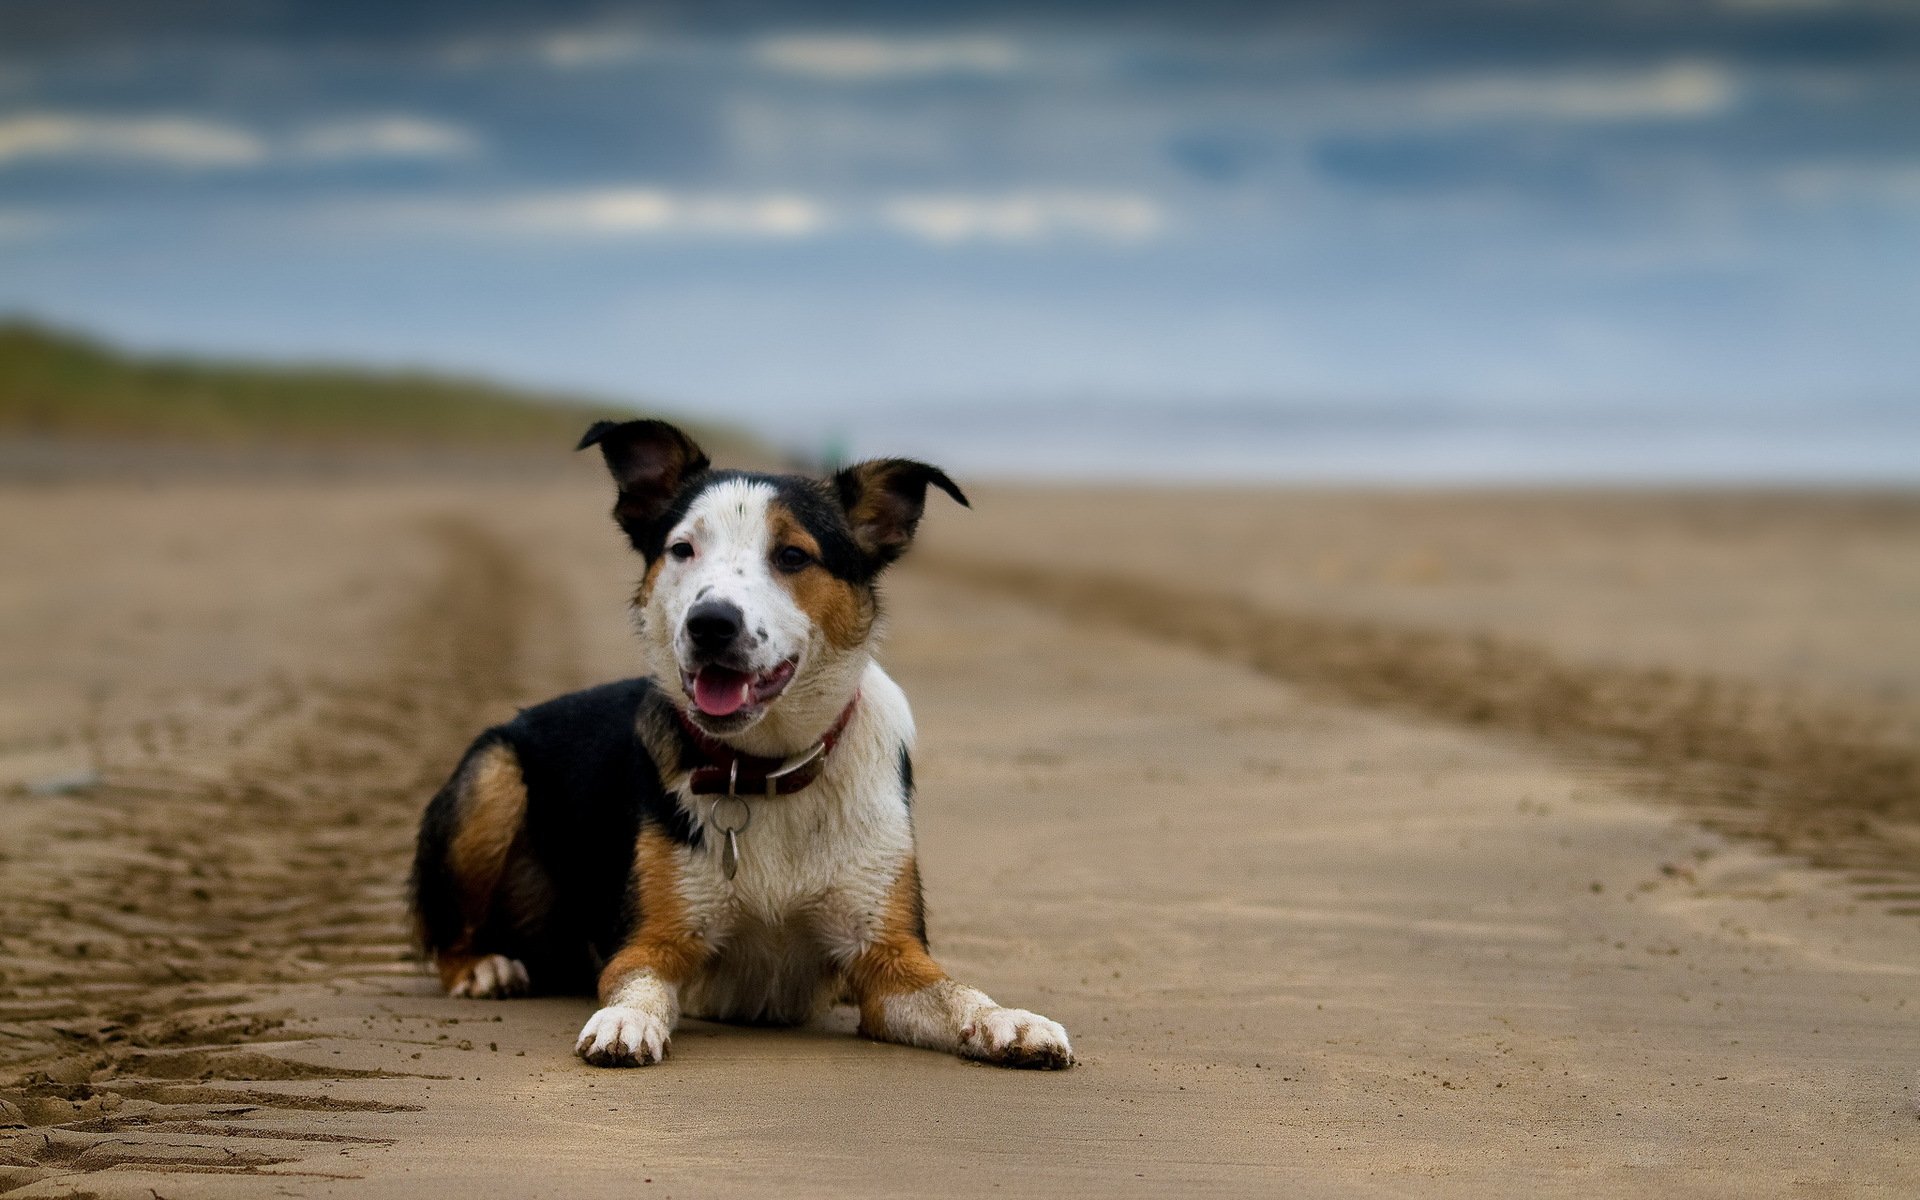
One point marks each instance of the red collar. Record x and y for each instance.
(728, 772)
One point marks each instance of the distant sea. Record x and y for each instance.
(1860, 445)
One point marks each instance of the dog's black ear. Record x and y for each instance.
(883, 499)
(650, 461)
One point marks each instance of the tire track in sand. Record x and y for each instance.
(201, 888)
(1838, 787)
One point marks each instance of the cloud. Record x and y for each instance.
(865, 58)
(581, 48)
(182, 142)
(625, 212)
(1675, 91)
(384, 137)
(664, 213)
(1024, 217)
(197, 144)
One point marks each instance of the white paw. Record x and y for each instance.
(1014, 1037)
(623, 1037)
(494, 977)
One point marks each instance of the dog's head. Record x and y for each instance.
(758, 606)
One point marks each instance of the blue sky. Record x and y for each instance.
(798, 214)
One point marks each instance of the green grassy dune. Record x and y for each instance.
(57, 384)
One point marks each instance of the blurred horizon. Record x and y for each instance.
(1368, 240)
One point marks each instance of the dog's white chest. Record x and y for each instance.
(818, 858)
(776, 928)
(778, 974)
(810, 883)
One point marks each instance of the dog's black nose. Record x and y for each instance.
(713, 625)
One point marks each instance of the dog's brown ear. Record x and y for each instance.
(883, 499)
(650, 461)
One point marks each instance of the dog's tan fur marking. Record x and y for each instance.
(666, 941)
(645, 589)
(843, 612)
(454, 967)
(881, 519)
(896, 961)
(493, 807)
(874, 507)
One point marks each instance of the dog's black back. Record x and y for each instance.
(588, 780)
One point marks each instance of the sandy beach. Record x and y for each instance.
(1367, 844)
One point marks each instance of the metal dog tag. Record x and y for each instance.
(730, 815)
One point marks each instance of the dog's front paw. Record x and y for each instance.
(492, 977)
(623, 1037)
(1014, 1037)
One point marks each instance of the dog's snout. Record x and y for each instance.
(714, 624)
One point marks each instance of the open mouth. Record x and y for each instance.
(719, 691)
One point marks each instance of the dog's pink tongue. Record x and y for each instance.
(720, 692)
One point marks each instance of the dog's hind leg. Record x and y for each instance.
(470, 830)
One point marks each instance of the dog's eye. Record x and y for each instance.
(791, 558)
(681, 550)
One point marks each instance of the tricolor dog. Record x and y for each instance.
(730, 837)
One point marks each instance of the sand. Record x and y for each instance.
(1309, 934)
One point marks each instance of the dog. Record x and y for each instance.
(730, 837)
